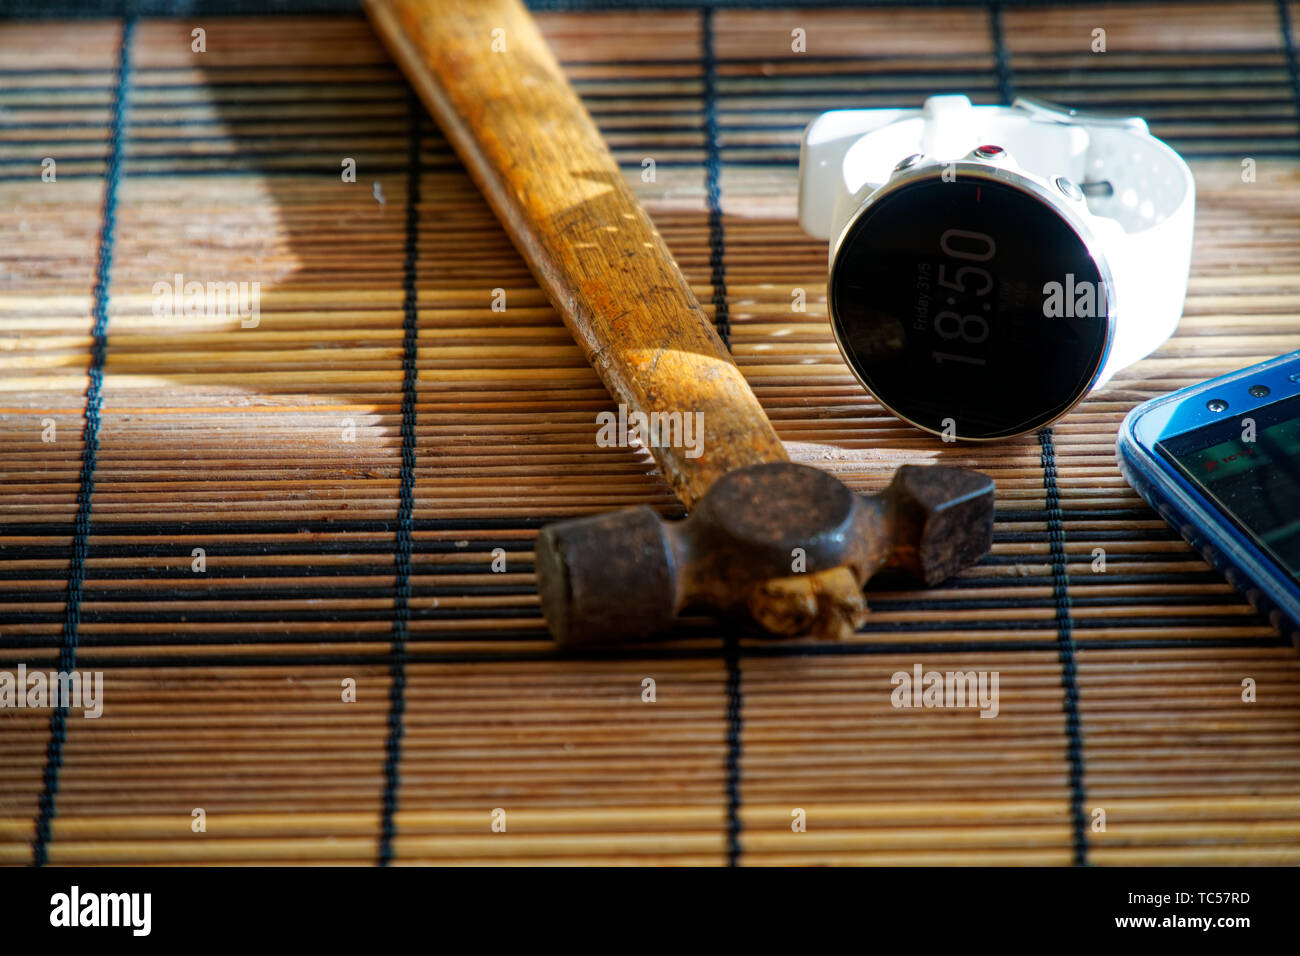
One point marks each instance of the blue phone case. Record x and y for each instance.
(1202, 523)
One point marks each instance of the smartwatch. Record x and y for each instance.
(991, 265)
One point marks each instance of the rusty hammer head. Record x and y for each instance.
(785, 546)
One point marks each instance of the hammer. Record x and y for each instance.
(781, 545)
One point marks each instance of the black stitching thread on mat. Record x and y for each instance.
(279, 617)
(1066, 646)
(89, 448)
(275, 629)
(712, 177)
(735, 722)
(181, 8)
(1288, 42)
(546, 652)
(1188, 149)
(176, 602)
(718, 266)
(406, 497)
(342, 527)
(1001, 62)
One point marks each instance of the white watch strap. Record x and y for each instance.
(1144, 225)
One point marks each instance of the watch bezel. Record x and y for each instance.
(989, 172)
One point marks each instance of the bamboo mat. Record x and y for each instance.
(333, 555)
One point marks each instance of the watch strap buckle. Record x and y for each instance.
(1055, 113)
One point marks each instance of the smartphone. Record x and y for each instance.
(1220, 461)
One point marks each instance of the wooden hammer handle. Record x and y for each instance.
(486, 74)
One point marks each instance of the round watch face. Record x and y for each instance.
(969, 307)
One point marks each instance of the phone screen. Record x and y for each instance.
(1256, 483)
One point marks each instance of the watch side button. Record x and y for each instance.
(909, 162)
(1069, 188)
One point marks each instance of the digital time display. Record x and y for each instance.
(969, 306)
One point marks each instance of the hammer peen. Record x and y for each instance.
(785, 546)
